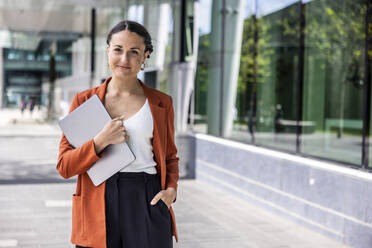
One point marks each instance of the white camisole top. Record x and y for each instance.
(140, 128)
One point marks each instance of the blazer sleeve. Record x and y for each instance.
(74, 161)
(171, 158)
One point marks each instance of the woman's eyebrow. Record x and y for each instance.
(130, 48)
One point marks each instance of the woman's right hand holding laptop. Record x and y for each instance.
(112, 133)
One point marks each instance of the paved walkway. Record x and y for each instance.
(209, 217)
(35, 204)
(13, 116)
(39, 215)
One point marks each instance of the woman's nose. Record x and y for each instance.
(124, 57)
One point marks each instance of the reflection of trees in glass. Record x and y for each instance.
(254, 60)
(335, 30)
(164, 74)
(202, 75)
(247, 72)
(278, 46)
(335, 37)
(334, 50)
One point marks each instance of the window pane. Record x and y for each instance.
(333, 79)
(30, 42)
(277, 74)
(203, 65)
(242, 120)
(168, 25)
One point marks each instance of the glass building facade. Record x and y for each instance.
(303, 84)
(32, 34)
(288, 75)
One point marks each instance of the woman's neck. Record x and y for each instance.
(124, 87)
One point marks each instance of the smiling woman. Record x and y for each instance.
(133, 207)
(127, 41)
(126, 53)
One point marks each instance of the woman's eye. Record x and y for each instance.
(117, 50)
(135, 52)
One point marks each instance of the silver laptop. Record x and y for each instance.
(85, 122)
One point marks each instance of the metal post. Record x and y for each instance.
(301, 57)
(253, 103)
(183, 31)
(93, 46)
(223, 12)
(367, 87)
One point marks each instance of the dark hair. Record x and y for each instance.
(132, 27)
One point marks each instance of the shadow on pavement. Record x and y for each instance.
(22, 172)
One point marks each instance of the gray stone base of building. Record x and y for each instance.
(186, 151)
(325, 197)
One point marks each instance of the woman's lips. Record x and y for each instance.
(124, 67)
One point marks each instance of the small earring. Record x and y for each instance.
(143, 66)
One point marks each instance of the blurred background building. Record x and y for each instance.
(272, 97)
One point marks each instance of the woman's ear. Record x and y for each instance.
(107, 49)
(147, 53)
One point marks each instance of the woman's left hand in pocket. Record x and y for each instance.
(168, 196)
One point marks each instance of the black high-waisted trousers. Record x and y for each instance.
(131, 221)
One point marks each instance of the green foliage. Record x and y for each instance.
(202, 75)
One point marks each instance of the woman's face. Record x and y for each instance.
(126, 54)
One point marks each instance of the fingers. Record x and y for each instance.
(123, 134)
(156, 198)
(120, 119)
(117, 118)
(117, 130)
(160, 196)
(117, 122)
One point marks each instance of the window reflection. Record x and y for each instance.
(276, 75)
(203, 65)
(333, 82)
(26, 38)
(329, 63)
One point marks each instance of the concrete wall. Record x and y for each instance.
(325, 197)
(185, 143)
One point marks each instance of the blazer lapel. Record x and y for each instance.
(159, 119)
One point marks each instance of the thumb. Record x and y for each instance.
(155, 199)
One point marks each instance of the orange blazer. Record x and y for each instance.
(88, 202)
